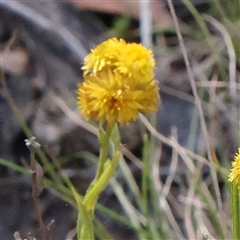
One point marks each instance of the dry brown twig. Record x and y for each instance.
(37, 187)
(37, 182)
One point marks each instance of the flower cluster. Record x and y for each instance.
(234, 175)
(118, 82)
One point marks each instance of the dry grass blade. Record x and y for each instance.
(198, 105)
(183, 152)
(164, 191)
(231, 54)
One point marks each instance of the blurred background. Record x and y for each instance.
(42, 48)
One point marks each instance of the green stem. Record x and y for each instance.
(105, 171)
(88, 204)
(92, 195)
(85, 223)
(104, 138)
(85, 218)
(236, 211)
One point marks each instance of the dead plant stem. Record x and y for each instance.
(35, 195)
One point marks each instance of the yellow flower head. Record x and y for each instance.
(136, 61)
(105, 55)
(111, 97)
(128, 59)
(118, 82)
(234, 175)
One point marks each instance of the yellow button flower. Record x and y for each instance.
(129, 59)
(105, 55)
(234, 175)
(136, 61)
(109, 96)
(118, 82)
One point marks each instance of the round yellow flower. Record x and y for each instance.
(118, 82)
(128, 59)
(136, 61)
(105, 55)
(234, 175)
(110, 96)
